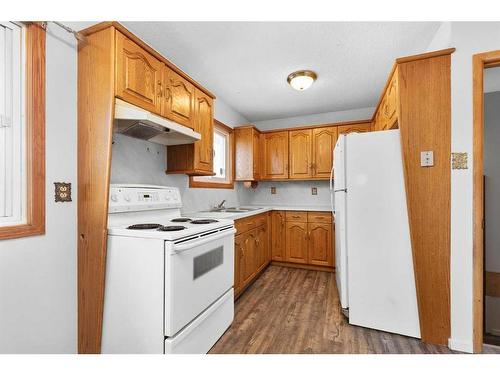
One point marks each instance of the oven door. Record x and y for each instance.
(197, 273)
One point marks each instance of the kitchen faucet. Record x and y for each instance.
(221, 204)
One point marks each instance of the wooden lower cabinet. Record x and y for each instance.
(278, 236)
(252, 251)
(320, 244)
(296, 242)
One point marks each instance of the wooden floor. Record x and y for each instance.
(291, 310)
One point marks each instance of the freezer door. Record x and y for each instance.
(339, 166)
(341, 248)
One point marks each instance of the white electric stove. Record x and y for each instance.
(169, 278)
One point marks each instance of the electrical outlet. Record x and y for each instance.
(427, 159)
(62, 191)
(314, 191)
(273, 190)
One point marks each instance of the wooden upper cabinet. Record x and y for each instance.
(323, 143)
(320, 244)
(204, 124)
(247, 153)
(386, 116)
(300, 154)
(275, 155)
(138, 75)
(296, 242)
(354, 128)
(179, 99)
(278, 235)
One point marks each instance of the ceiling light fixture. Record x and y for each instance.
(302, 79)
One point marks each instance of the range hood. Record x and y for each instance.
(138, 123)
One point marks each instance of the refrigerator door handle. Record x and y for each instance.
(335, 191)
(331, 190)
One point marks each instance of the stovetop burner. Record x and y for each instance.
(204, 221)
(181, 220)
(171, 228)
(144, 226)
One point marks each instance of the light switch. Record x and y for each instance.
(273, 190)
(427, 159)
(314, 191)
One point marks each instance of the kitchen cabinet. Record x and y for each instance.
(323, 143)
(275, 155)
(296, 242)
(247, 153)
(278, 236)
(300, 154)
(386, 115)
(138, 75)
(178, 102)
(355, 128)
(252, 252)
(196, 158)
(320, 251)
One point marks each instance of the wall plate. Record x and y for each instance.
(62, 191)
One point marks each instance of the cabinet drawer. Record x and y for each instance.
(249, 223)
(299, 216)
(319, 217)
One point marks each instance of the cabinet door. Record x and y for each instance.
(248, 260)
(204, 125)
(138, 75)
(320, 244)
(278, 236)
(238, 256)
(296, 242)
(323, 143)
(179, 99)
(261, 243)
(276, 155)
(300, 154)
(256, 154)
(355, 128)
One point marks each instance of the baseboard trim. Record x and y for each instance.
(465, 346)
(303, 266)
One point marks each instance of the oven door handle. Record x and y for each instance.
(188, 246)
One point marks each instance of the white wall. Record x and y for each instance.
(38, 274)
(492, 202)
(317, 119)
(468, 38)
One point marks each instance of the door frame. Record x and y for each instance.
(480, 62)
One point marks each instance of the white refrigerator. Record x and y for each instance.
(374, 264)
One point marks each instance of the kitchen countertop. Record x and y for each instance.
(261, 209)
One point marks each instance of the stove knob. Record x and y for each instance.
(127, 198)
(114, 198)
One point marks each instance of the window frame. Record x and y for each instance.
(203, 181)
(34, 105)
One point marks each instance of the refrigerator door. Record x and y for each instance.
(382, 292)
(341, 248)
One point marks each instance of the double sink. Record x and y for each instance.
(226, 212)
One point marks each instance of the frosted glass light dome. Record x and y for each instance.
(302, 79)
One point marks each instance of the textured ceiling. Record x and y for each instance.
(246, 63)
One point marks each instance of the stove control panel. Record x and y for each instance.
(124, 198)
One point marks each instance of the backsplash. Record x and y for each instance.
(142, 162)
(288, 193)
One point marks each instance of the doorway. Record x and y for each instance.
(486, 254)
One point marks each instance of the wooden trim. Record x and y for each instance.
(426, 55)
(303, 266)
(118, 26)
(301, 127)
(96, 82)
(35, 136)
(492, 284)
(479, 63)
(219, 185)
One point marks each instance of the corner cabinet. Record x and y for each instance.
(138, 75)
(247, 153)
(196, 158)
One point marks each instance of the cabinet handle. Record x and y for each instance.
(160, 91)
(167, 93)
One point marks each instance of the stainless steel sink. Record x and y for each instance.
(234, 209)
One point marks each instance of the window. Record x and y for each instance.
(223, 160)
(12, 126)
(22, 129)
